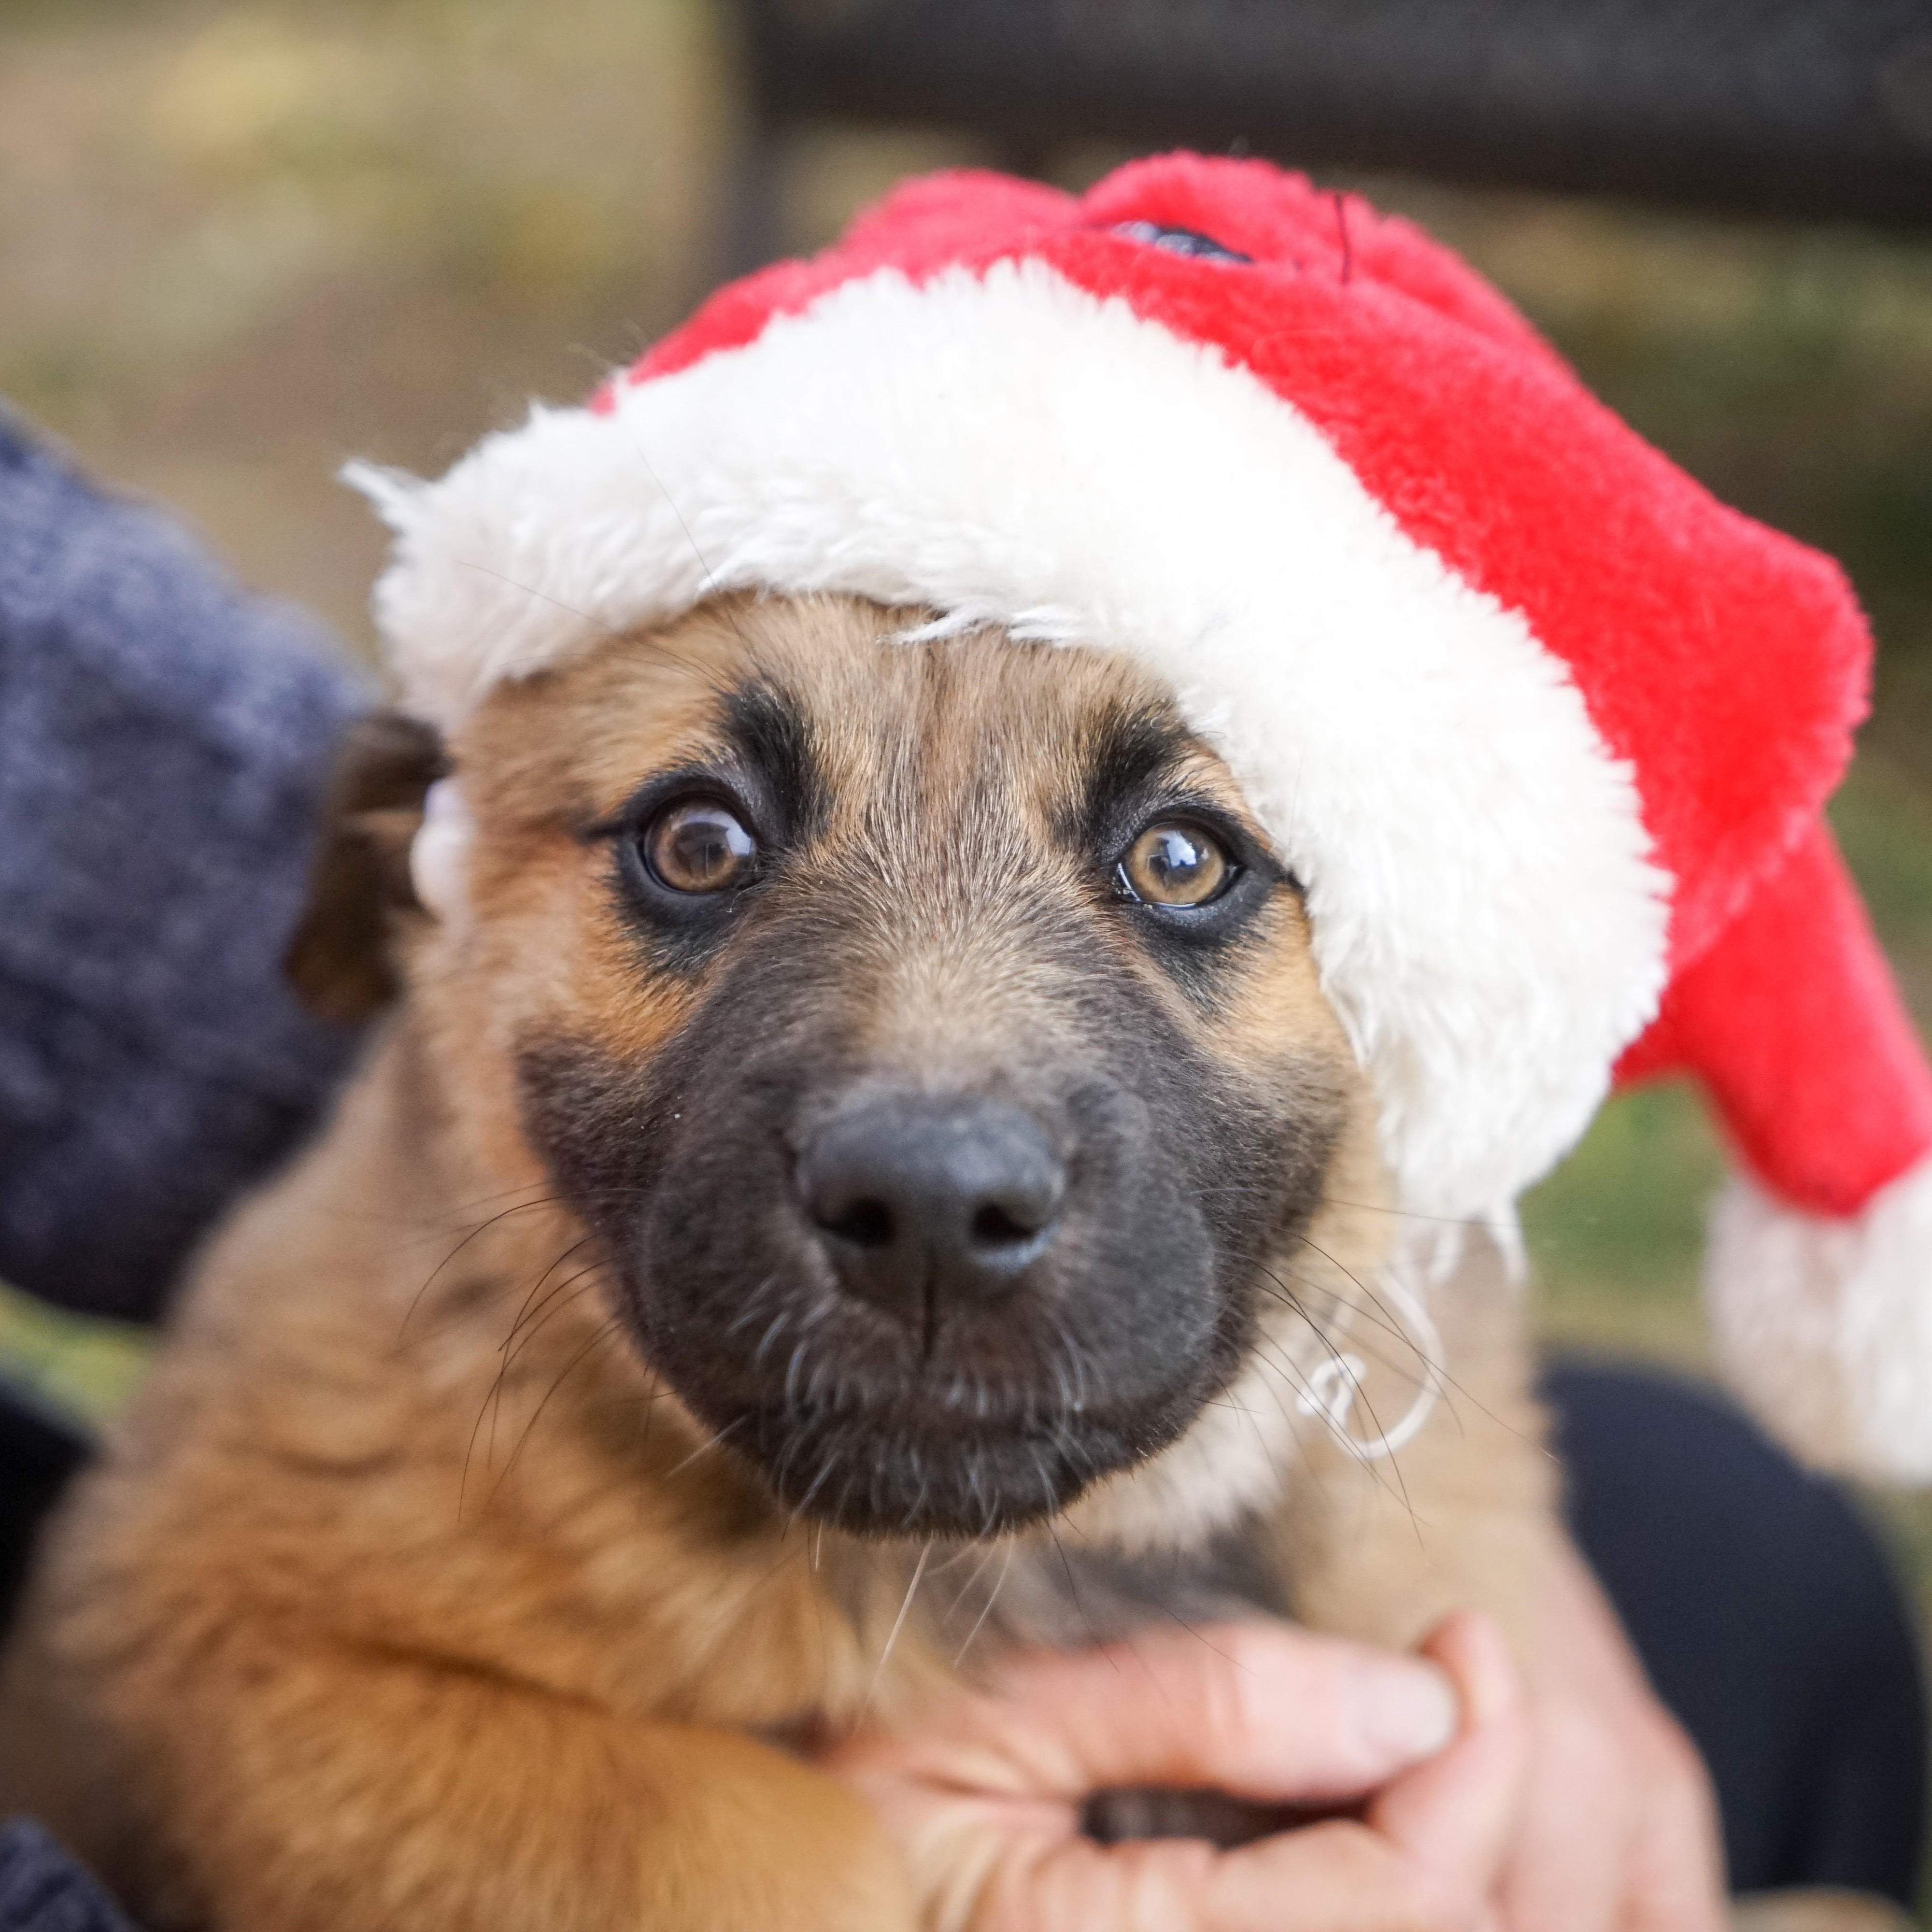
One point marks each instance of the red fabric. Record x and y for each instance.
(1727, 663)
(1793, 1024)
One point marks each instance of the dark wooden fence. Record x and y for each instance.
(1785, 107)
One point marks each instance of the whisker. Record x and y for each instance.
(1437, 1371)
(526, 1310)
(559, 1298)
(1067, 1564)
(597, 1337)
(992, 1597)
(978, 1570)
(481, 1227)
(492, 1403)
(710, 1443)
(1311, 1404)
(826, 1468)
(892, 1638)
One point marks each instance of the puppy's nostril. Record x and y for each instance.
(993, 1227)
(865, 1224)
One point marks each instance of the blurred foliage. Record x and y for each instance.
(82, 1370)
(239, 244)
(1615, 1235)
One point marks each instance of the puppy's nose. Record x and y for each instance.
(927, 1205)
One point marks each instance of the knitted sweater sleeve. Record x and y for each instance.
(164, 741)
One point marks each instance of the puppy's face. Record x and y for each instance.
(923, 1030)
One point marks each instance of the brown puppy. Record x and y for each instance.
(872, 1112)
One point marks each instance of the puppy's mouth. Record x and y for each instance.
(901, 1470)
(882, 1482)
(854, 1416)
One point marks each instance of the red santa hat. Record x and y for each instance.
(1544, 729)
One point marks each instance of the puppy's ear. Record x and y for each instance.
(339, 959)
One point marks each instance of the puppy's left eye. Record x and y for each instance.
(698, 846)
(1175, 864)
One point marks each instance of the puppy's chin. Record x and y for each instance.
(890, 1476)
(875, 1482)
(878, 1443)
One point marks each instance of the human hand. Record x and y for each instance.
(986, 1800)
(1619, 1831)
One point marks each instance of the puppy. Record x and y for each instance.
(865, 1113)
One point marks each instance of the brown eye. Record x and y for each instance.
(700, 846)
(1176, 865)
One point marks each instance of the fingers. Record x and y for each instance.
(1338, 1877)
(1263, 1711)
(1677, 1860)
(1570, 1865)
(1454, 1819)
(1426, 1861)
(1619, 1830)
(988, 1791)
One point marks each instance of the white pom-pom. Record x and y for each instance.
(1824, 1325)
(440, 854)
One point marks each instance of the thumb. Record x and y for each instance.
(1456, 1816)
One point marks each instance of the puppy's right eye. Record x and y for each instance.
(698, 845)
(1177, 865)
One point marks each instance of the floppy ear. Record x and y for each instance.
(339, 958)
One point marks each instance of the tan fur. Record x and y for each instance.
(405, 1596)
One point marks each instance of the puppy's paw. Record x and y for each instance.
(1124, 1812)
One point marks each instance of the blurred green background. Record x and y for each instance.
(239, 244)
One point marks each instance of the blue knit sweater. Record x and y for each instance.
(164, 741)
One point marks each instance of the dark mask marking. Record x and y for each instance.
(1187, 1165)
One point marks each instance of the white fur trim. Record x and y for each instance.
(1011, 450)
(1824, 1326)
(440, 854)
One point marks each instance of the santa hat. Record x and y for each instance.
(1544, 729)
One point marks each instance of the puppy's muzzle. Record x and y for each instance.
(929, 1208)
